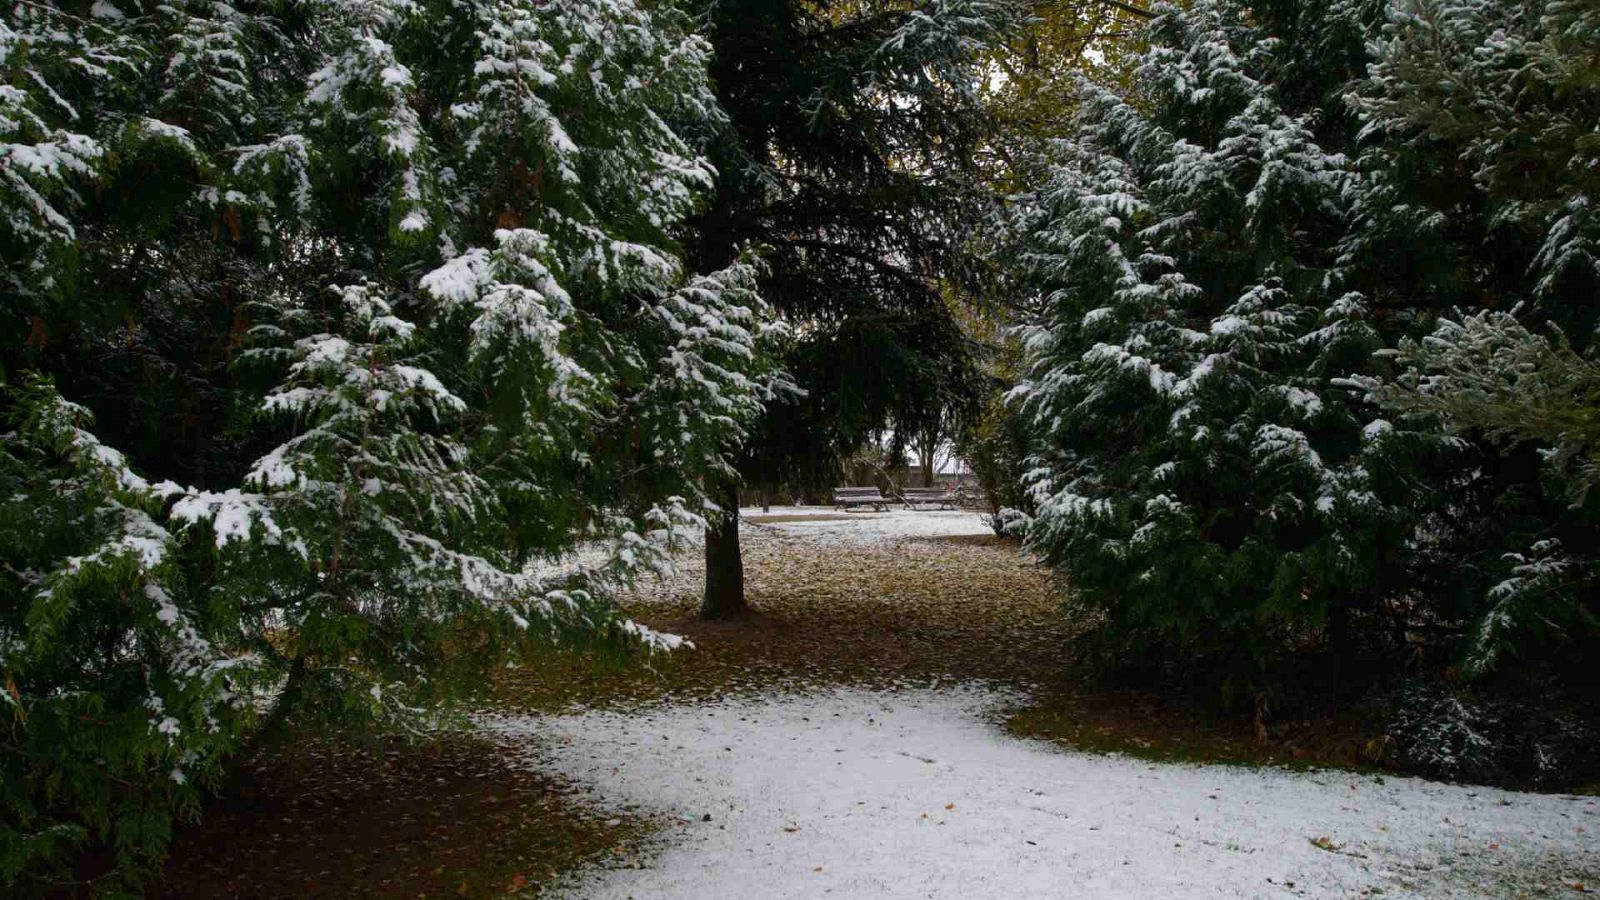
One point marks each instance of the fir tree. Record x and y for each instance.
(1248, 441)
(848, 151)
(1202, 474)
(374, 312)
(1478, 158)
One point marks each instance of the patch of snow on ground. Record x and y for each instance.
(915, 793)
(833, 527)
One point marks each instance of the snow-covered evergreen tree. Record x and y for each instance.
(386, 297)
(1248, 439)
(1479, 174)
(1202, 474)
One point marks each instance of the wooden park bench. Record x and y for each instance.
(971, 497)
(846, 498)
(934, 496)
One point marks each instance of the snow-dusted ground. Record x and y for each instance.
(820, 524)
(828, 526)
(914, 793)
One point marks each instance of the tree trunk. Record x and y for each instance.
(273, 729)
(724, 597)
(1339, 643)
(928, 454)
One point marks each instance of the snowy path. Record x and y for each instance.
(914, 793)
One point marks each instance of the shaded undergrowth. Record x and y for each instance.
(328, 817)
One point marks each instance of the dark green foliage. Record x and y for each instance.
(1234, 465)
(1478, 151)
(867, 204)
(374, 313)
(1202, 475)
(115, 699)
